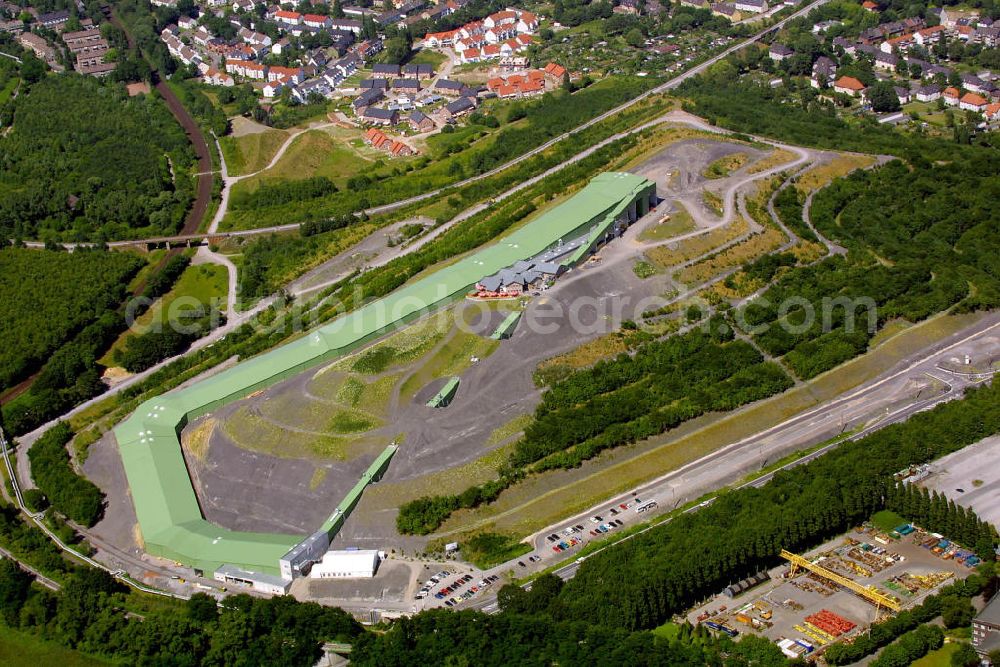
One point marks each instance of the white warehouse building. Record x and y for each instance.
(353, 564)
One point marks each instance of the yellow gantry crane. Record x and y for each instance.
(869, 593)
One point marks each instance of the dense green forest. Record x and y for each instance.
(642, 582)
(61, 333)
(85, 161)
(444, 637)
(49, 297)
(70, 494)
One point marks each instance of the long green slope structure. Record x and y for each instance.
(166, 505)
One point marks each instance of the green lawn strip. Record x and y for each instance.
(198, 285)
(20, 649)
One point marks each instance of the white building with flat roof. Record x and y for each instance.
(354, 564)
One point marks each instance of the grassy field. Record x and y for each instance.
(198, 286)
(20, 649)
(665, 256)
(509, 430)
(7, 91)
(712, 201)
(451, 359)
(751, 248)
(776, 157)
(313, 153)
(253, 432)
(428, 57)
(886, 520)
(680, 222)
(553, 369)
(938, 658)
(544, 499)
(821, 176)
(644, 269)
(726, 165)
(250, 153)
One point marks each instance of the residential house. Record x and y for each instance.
(527, 22)
(988, 37)
(380, 116)
(385, 71)
(903, 94)
(409, 85)
(823, 72)
(992, 111)
(214, 77)
(886, 61)
(726, 10)
(751, 6)
(287, 18)
(974, 83)
(449, 87)
(439, 39)
(928, 93)
(459, 107)
(349, 25)
(869, 6)
(54, 20)
(847, 45)
(374, 84)
(320, 86)
(247, 69)
(928, 36)
(317, 21)
(973, 102)
(556, 72)
(848, 85)
(951, 96)
(37, 45)
(13, 27)
(368, 49)
(273, 89)
(93, 65)
(418, 71)
(294, 75)
(779, 52)
(347, 65)
(81, 39)
(366, 99)
(421, 122)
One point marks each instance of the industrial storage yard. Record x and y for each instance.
(805, 612)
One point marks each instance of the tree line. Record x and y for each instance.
(89, 615)
(70, 494)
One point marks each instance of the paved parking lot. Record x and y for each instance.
(971, 478)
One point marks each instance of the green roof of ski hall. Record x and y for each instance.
(166, 505)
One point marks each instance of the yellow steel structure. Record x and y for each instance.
(870, 593)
